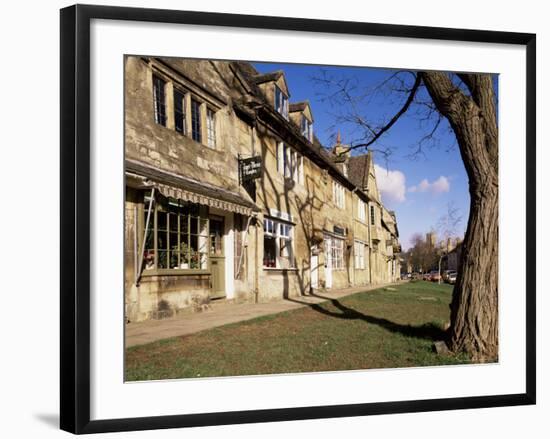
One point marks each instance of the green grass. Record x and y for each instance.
(375, 329)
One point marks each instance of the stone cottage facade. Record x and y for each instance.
(229, 194)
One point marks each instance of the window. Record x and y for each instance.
(159, 100)
(211, 127)
(290, 163)
(278, 244)
(281, 102)
(338, 195)
(179, 112)
(361, 210)
(359, 251)
(196, 120)
(337, 253)
(177, 237)
(307, 128)
(372, 219)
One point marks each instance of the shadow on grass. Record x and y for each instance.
(428, 331)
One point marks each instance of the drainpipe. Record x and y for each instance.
(256, 259)
(352, 262)
(256, 266)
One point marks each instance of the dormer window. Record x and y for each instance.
(307, 128)
(281, 102)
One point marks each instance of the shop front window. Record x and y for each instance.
(177, 238)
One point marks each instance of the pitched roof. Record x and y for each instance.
(298, 106)
(358, 170)
(315, 147)
(266, 77)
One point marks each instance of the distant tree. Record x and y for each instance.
(423, 255)
(447, 227)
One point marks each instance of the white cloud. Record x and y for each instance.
(438, 186)
(391, 184)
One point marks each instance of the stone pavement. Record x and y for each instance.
(222, 313)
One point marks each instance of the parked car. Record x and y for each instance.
(445, 275)
(435, 276)
(426, 276)
(451, 278)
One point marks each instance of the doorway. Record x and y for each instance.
(217, 258)
(328, 261)
(314, 268)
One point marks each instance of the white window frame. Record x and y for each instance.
(281, 102)
(361, 210)
(337, 253)
(338, 195)
(210, 127)
(307, 128)
(283, 233)
(290, 163)
(359, 252)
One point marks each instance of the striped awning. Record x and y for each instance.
(141, 176)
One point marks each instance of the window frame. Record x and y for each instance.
(337, 253)
(290, 163)
(201, 218)
(359, 251)
(211, 132)
(306, 128)
(361, 210)
(196, 121)
(279, 231)
(183, 113)
(338, 195)
(160, 117)
(281, 102)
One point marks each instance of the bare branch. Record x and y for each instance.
(394, 119)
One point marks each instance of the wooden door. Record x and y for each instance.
(217, 258)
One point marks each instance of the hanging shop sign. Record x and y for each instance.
(250, 168)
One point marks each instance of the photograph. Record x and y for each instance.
(284, 218)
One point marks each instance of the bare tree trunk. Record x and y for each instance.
(474, 307)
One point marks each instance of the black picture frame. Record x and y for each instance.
(75, 218)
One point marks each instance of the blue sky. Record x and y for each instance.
(419, 190)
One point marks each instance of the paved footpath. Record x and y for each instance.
(223, 313)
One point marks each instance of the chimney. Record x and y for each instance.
(340, 151)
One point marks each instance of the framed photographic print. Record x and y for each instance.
(273, 218)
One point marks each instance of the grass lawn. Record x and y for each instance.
(375, 329)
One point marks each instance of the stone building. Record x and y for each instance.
(229, 194)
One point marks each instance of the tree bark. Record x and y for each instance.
(474, 307)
